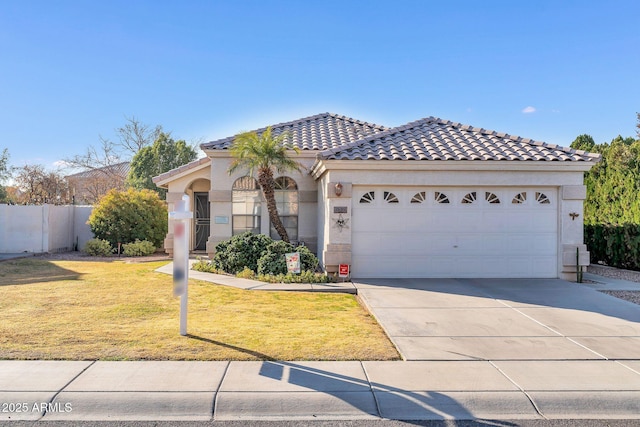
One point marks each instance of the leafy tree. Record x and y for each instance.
(124, 216)
(584, 142)
(165, 154)
(613, 184)
(265, 153)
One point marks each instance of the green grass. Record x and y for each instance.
(88, 310)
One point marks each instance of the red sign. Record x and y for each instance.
(343, 270)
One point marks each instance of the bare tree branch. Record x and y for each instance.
(134, 135)
(39, 186)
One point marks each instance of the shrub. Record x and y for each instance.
(98, 247)
(240, 251)
(304, 277)
(205, 266)
(127, 216)
(614, 245)
(273, 260)
(139, 248)
(247, 273)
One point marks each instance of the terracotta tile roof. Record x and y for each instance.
(319, 132)
(181, 169)
(436, 139)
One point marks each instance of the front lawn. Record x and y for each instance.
(111, 310)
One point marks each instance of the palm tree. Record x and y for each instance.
(265, 154)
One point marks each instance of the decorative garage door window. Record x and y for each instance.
(246, 205)
(419, 197)
(469, 198)
(368, 197)
(438, 197)
(491, 198)
(520, 198)
(441, 197)
(542, 198)
(286, 194)
(390, 197)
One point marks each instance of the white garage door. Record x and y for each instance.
(454, 232)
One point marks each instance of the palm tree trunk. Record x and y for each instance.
(265, 178)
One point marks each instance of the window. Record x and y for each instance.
(390, 197)
(286, 194)
(469, 198)
(491, 198)
(441, 197)
(368, 197)
(246, 205)
(519, 198)
(419, 197)
(542, 198)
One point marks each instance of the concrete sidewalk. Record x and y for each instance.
(201, 391)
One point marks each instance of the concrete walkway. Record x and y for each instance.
(476, 349)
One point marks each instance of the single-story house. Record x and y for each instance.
(87, 187)
(431, 198)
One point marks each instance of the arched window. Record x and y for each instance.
(246, 205)
(286, 194)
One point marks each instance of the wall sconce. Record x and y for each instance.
(574, 215)
(338, 189)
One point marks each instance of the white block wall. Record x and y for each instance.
(44, 228)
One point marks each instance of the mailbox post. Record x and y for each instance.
(181, 218)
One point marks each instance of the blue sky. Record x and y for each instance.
(548, 70)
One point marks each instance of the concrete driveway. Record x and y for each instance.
(503, 319)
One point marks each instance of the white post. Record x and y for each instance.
(182, 221)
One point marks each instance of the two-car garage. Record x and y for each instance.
(454, 232)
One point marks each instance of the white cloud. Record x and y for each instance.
(529, 110)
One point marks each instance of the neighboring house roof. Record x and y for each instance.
(436, 139)
(119, 169)
(319, 132)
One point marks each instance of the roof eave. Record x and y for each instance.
(321, 166)
(164, 179)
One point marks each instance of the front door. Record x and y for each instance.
(203, 221)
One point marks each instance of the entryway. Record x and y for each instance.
(202, 220)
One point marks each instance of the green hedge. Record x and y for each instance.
(614, 245)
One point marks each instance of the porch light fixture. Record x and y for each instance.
(574, 215)
(338, 189)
